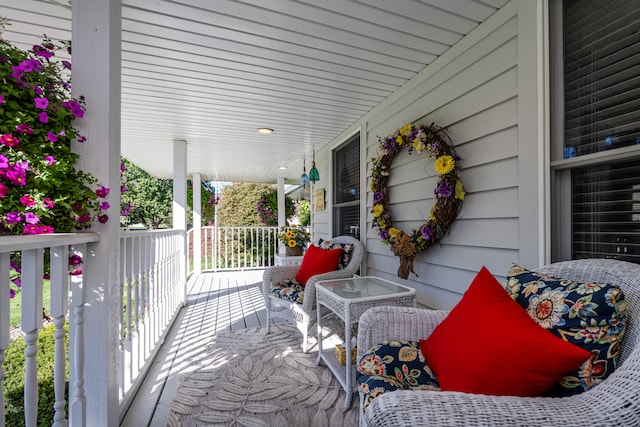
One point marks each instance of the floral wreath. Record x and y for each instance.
(449, 192)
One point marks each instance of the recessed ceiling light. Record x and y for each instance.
(283, 168)
(265, 130)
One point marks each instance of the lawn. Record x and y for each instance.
(16, 304)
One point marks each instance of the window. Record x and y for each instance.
(346, 206)
(595, 53)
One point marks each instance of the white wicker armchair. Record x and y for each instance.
(614, 402)
(303, 314)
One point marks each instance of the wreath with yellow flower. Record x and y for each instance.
(449, 192)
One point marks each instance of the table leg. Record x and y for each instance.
(347, 346)
(319, 324)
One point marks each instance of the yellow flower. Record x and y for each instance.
(377, 210)
(289, 234)
(399, 140)
(292, 243)
(393, 232)
(459, 190)
(406, 130)
(418, 145)
(444, 164)
(432, 214)
(373, 185)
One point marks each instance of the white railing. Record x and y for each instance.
(152, 290)
(237, 248)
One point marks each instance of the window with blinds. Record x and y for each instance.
(599, 197)
(601, 75)
(346, 169)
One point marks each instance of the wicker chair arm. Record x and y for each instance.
(386, 323)
(277, 274)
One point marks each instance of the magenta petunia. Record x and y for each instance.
(9, 140)
(81, 138)
(27, 200)
(17, 281)
(31, 218)
(76, 272)
(43, 117)
(45, 229)
(41, 103)
(102, 219)
(30, 229)
(24, 129)
(49, 160)
(102, 192)
(41, 51)
(84, 218)
(66, 64)
(4, 190)
(47, 203)
(1, 99)
(75, 259)
(104, 206)
(76, 206)
(52, 136)
(4, 162)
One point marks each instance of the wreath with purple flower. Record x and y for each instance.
(449, 192)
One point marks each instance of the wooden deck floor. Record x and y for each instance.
(216, 302)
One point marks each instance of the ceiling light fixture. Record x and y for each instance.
(283, 168)
(265, 130)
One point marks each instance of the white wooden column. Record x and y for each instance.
(96, 28)
(197, 223)
(180, 203)
(282, 215)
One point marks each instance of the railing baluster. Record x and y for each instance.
(5, 321)
(77, 403)
(59, 290)
(31, 324)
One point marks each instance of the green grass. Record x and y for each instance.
(16, 304)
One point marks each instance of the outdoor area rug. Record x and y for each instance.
(254, 379)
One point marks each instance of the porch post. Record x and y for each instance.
(180, 204)
(96, 26)
(197, 223)
(282, 215)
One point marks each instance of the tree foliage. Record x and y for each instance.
(237, 204)
(151, 198)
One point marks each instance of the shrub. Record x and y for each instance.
(14, 366)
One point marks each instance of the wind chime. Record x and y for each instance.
(313, 172)
(304, 179)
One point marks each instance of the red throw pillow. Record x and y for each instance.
(317, 261)
(488, 344)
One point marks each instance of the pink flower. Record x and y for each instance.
(1, 99)
(52, 136)
(104, 206)
(49, 160)
(102, 192)
(9, 140)
(81, 138)
(47, 203)
(31, 229)
(41, 103)
(84, 218)
(24, 129)
(75, 259)
(76, 272)
(77, 206)
(46, 229)
(13, 217)
(31, 218)
(102, 219)
(43, 117)
(3, 190)
(27, 200)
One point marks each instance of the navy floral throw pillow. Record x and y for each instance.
(590, 315)
(347, 250)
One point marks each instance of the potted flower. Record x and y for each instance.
(295, 239)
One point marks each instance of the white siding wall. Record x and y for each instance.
(487, 91)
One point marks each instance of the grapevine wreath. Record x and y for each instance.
(449, 192)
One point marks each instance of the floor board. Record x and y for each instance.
(216, 302)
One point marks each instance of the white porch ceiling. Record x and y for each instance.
(212, 72)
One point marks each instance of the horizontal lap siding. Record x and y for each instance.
(475, 96)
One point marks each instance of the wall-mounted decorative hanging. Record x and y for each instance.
(318, 200)
(314, 175)
(449, 192)
(304, 179)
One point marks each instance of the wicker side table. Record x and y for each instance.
(348, 299)
(283, 259)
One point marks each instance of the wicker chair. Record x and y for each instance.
(303, 314)
(614, 402)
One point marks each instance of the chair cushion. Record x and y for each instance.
(317, 261)
(591, 315)
(289, 290)
(393, 365)
(347, 251)
(488, 344)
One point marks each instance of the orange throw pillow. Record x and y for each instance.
(489, 345)
(317, 261)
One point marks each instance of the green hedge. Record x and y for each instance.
(14, 378)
